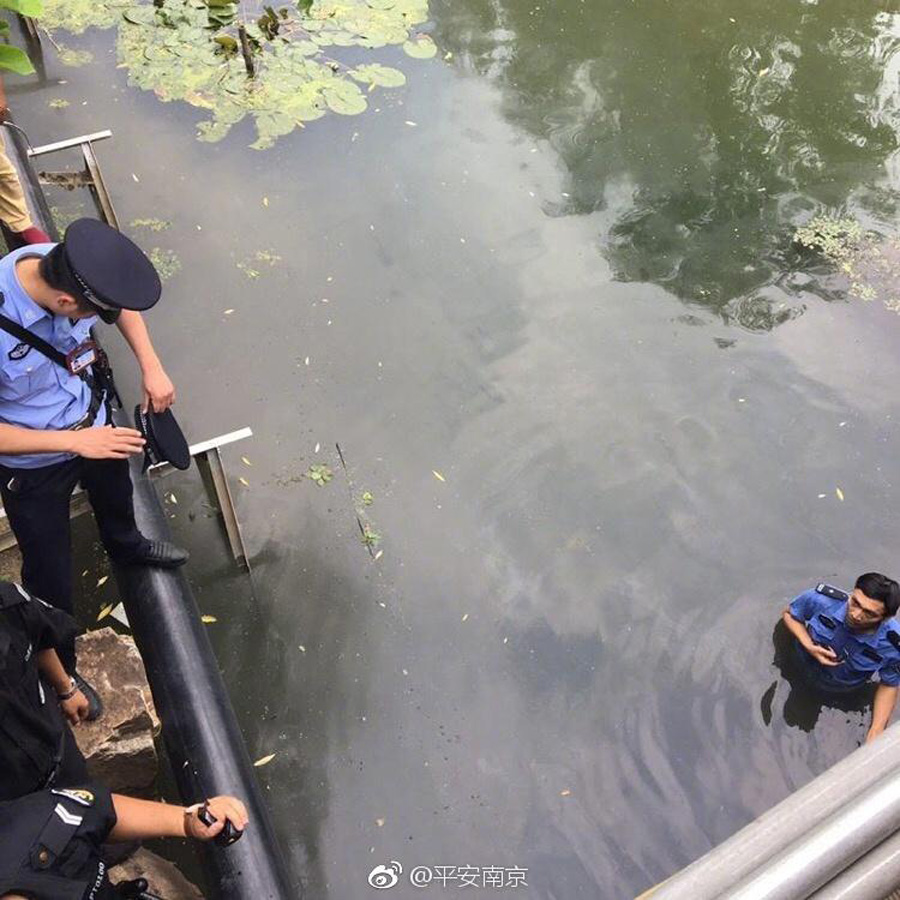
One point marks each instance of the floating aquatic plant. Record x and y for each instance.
(259, 258)
(869, 261)
(320, 474)
(166, 262)
(68, 56)
(79, 15)
(151, 224)
(278, 66)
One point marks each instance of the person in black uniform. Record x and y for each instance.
(56, 427)
(50, 841)
(37, 748)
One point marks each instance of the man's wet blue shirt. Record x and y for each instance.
(863, 654)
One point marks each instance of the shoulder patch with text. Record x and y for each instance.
(79, 795)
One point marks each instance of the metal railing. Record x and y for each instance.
(836, 838)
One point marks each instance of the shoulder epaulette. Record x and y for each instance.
(12, 594)
(834, 593)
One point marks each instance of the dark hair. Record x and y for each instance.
(53, 270)
(880, 587)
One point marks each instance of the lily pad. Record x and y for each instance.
(190, 50)
(383, 76)
(79, 15)
(344, 101)
(420, 47)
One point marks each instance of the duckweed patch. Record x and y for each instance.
(64, 217)
(151, 224)
(320, 474)
(79, 15)
(259, 258)
(166, 262)
(68, 56)
(870, 262)
(280, 68)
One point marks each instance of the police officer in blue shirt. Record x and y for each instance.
(844, 641)
(56, 429)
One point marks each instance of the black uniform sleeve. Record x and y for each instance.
(46, 626)
(93, 802)
(104, 813)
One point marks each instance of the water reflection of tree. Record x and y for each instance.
(707, 129)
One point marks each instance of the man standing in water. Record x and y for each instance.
(846, 640)
(56, 392)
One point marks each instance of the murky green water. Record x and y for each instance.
(557, 269)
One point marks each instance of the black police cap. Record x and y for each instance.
(165, 439)
(110, 271)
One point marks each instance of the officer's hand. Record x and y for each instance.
(222, 808)
(824, 655)
(159, 392)
(107, 443)
(75, 709)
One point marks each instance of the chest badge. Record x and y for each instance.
(20, 351)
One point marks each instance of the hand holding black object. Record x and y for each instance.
(228, 835)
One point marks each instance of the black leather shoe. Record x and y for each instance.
(95, 704)
(162, 554)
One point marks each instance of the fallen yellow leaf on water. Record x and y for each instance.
(244, 482)
(565, 793)
(246, 461)
(438, 475)
(265, 760)
(103, 581)
(105, 611)
(840, 494)
(208, 620)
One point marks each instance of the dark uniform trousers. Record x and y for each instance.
(37, 505)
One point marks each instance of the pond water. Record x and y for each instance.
(556, 269)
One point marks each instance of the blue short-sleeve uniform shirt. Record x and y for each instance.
(863, 655)
(35, 392)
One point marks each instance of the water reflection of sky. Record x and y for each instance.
(585, 605)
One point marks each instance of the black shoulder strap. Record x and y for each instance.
(30, 338)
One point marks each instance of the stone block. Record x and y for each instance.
(119, 746)
(164, 878)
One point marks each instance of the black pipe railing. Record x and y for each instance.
(199, 728)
